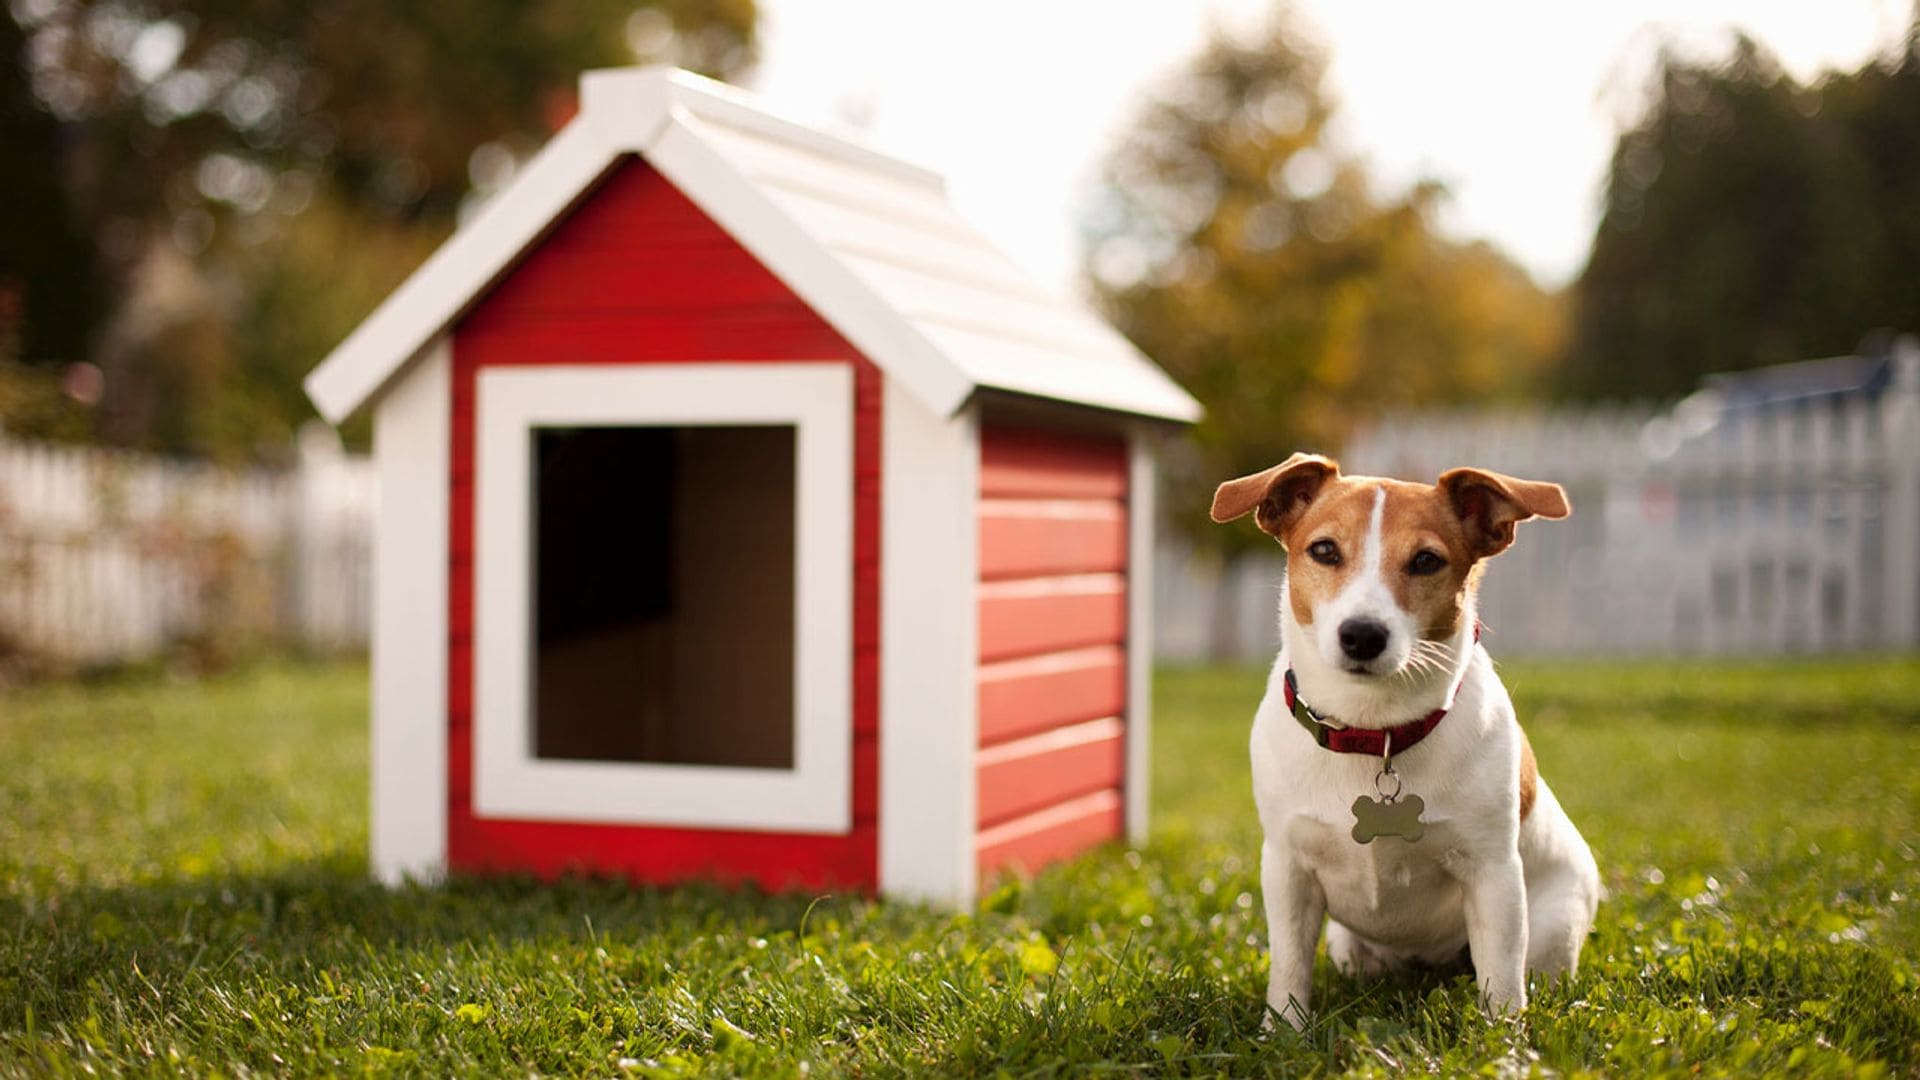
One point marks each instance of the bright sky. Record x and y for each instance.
(1514, 103)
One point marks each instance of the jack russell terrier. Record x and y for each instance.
(1396, 790)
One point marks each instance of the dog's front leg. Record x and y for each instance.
(1496, 902)
(1295, 908)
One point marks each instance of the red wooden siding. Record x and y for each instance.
(1025, 775)
(636, 274)
(1037, 615)
(1035, 464)
(1058, 832)
(1033, 694)
(1053, 631)
(1027, 538)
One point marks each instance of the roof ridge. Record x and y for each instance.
(717, 145)
(731, 106)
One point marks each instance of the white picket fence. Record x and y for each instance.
(1703, 529)
(1697, 530)
(108, 556)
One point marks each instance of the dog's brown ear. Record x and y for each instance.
(1277, 496)
(1489, 504)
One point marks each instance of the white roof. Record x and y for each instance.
(868, 241)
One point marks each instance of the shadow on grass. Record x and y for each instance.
(876, 980)
(314, 925)
(71, 947)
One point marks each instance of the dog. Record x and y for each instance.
(1397, 794)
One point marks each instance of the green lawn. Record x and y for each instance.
(181, 889)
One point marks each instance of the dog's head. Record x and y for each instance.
(1375, 567)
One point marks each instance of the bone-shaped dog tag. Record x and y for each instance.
(1388, 817)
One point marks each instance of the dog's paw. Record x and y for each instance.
(1503, 1003)
(1290, 1012)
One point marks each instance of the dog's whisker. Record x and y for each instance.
(1427, 657)
(1420, 664)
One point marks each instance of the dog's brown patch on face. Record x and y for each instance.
(1418, 519)
(1339, 514)
(1529, 777)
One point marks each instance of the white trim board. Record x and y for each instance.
(1141, 479)
(815, 796)
(928, 613)
(412, 444)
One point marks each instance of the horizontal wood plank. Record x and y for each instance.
(1027, 775)
(1033, 538)
(1023, 697)
(773, 861)
(1057, 832)
(1031, 463)
(1026, 617)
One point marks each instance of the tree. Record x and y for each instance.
(46, 267)
(1248, 256)
(49, 291)
(1751, 220)
(1878, 109)
(200, 142)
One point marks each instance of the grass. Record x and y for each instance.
(182, 890)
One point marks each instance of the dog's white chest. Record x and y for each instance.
(1391, 891)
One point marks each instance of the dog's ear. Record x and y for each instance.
(1489, 504)
(1277, 496)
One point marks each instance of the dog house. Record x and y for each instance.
(744, 515)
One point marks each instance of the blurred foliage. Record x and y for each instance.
(1751, 220)
(245, 178)
(1237, 246)
(32, 399)
(47, 289)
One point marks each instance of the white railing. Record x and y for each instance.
(109, 556)
(1794, 528)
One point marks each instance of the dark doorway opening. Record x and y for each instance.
(663, 595)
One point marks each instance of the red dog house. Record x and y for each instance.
(744, 515)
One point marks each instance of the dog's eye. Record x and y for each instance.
(1425, 562)
(1324, 552)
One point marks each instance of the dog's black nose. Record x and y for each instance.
(1363, 639)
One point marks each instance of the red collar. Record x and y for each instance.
(1373, 741)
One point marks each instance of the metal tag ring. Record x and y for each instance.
(1379, 785)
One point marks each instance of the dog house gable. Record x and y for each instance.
(699, 369)
(657, 481)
